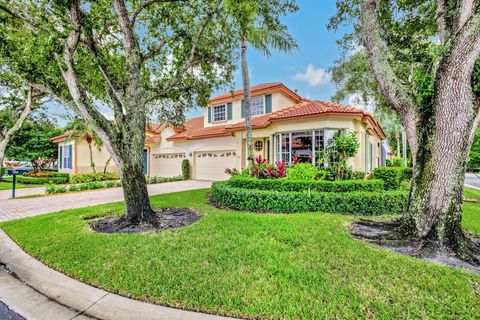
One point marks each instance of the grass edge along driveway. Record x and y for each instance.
(252, 265)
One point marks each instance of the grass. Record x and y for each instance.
(255, 266)
(6, 184)
(472, 193)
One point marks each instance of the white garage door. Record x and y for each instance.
(211, 165)
(167, 165)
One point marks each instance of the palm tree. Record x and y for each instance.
(259, 25)
(80, 130)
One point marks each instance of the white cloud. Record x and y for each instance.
(314, 77)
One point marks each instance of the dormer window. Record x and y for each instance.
(219, 113)
(258, 106)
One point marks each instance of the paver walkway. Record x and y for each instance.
(7, 194)
(11, 209)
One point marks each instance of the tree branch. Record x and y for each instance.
(397, 95)
(191, 59)
(7, 134)
(147, 4)
(125, 25)
(89, 113)
(155, 51)
(441, 17)
(464, 11)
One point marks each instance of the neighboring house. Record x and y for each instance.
(284, 125)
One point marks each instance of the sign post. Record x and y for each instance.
(14, 182)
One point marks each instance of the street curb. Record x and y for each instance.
(473, 187)
(79, 297)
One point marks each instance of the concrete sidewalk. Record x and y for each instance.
(12, 209)
(37, 292)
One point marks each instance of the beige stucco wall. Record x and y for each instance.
(279, 101)
(237, 143)
(81, 158)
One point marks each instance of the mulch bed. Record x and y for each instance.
(167, 219)
(368, 231)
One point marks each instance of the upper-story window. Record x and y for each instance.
(219, 113)
(258, 106)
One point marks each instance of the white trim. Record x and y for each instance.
(224, 113)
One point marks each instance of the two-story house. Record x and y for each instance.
(284, 125)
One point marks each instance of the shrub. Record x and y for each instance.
(47, 174)
(51, 180)
(4, 169)
(319, 186)
(395, 162)
(262, 169)
(91, 177)
(186, 169)
(303, 171)
(357, 203)
(393, 176)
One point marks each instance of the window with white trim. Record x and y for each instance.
(258, 106)
(66, 162)
(219, 113)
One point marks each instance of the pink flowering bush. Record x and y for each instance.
(262, 169)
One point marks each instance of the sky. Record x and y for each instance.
(306, 70)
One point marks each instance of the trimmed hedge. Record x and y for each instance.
(319, 186)
(50, 180)
(393, 176)
(356, 203)
(186, 169)
(90, 177)
(101, 185)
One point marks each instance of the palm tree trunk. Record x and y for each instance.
(106, 164)
(92, 164)
(247, 97)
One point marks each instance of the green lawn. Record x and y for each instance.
(472, 193)
(6, 184)
(253, 265)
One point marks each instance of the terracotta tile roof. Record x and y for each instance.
(194, 128)
(153, 139)
(259, 88)
(61, 137)
(305, 108)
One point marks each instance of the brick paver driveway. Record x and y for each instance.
(11, 209)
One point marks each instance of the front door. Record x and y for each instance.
(145, 162)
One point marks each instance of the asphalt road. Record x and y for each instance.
(7, 314)
(473, 180)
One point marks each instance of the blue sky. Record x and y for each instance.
(305, 70)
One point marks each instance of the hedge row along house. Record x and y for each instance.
(284, 124)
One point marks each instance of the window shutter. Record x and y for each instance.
(229, 111)
(209, 114)
(243, 109)
(60, 153)
(268, 103)
(70, 156)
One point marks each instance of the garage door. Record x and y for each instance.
(211, 165)
(167, 165)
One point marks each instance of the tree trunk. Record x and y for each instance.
(137, 203)
(92, 164)
(106, 164)
(247, 98)
(397, 137)
(435, 206)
